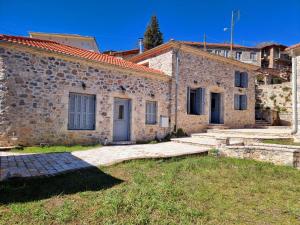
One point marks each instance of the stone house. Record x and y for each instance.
(225, 87)
(57, 94)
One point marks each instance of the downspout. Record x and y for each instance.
(176, 86)
(295, 94)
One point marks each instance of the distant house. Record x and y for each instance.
(78, 41)
(58, 94)
(127, 54)
(241, 53)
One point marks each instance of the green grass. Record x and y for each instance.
(193, 190)
(57, 148)
(281, 142)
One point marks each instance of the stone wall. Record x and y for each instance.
(162, 62)
(199, 71)
(277, 154)
(277, 97)
(35, 86)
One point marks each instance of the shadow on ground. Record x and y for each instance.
(26, 190)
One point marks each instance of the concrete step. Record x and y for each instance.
(217, 126)
(200, 141)
(242, 135)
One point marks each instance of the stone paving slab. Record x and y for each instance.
(21, 165)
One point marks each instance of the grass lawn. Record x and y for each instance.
(193, 190)
(281, 142)
(57, 148)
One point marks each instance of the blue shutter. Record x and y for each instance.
(198, 101)
(237, 79)
(245, 80)
(202, 112)
(243, 102)
(236, 102)
(188, 94)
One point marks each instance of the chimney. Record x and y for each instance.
(141, 47)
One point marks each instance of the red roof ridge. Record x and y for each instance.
(78, 52)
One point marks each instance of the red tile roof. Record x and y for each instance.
(77, 52)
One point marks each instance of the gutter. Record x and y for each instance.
(295, 94)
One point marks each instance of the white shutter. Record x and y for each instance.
(81, 112)
(71, 121)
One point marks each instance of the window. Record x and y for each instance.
(218, 52)
(226, 53)
(81, 112)
(240, 102)
(196, 101)
(151, 111)
(253, 56)
(241, 79)
(238, 55)
(121, 112)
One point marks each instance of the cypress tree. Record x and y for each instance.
(153, 37)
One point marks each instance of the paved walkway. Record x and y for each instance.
(34, 165)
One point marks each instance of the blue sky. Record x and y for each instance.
(118, 24)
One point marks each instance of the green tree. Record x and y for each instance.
(153, 37)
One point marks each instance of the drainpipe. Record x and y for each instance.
(176, 86)
(295, 93)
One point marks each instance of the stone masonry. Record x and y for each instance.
(35, 86)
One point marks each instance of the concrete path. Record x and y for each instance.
(35, 165)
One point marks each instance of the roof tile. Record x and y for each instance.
(73, 51)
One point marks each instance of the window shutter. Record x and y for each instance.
(237, 79)
(243, 102)
(245, 80)
(188, 100)
(91, 112)
(198, 101)
(236, 102)
(151, 112)
(71, 122)
(203, 101)
(81, 112)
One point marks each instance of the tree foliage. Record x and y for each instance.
(153, 37)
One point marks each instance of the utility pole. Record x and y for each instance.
(235, 15)
(231, 34)
(204, 41)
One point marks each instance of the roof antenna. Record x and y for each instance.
(204, 41)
